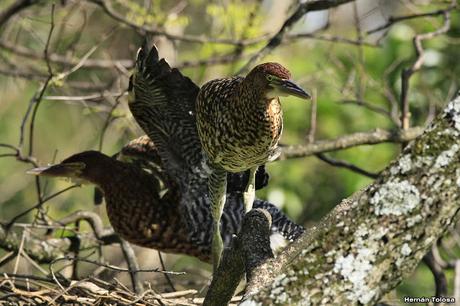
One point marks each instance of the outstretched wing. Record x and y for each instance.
(162, 101)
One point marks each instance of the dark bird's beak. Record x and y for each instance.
(59, 170)
(290, 88)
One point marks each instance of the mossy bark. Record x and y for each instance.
(372, 240)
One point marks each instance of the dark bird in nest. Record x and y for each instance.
(144, 202)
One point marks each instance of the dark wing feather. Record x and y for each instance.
(142, 152)
(162, 102)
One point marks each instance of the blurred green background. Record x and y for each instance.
(335, 71)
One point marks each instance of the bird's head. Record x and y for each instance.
(275, 81)
(84, 167)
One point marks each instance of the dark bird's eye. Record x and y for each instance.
(269, 77)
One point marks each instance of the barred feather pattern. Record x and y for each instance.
(162, 101)
(142, 216)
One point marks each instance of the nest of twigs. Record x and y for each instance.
(33, 290)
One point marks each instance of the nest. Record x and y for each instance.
(33, 290)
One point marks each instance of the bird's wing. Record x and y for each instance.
(162, 101)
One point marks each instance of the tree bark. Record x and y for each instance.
(371, 241)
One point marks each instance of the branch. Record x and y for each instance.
(48, 250)
(111, 12)
(346, 165)
(64, 60)
(301, 10)
(44, 251)
(348, 141)
(15, 8)
(369, 242)
(249, 249)
(395, 19)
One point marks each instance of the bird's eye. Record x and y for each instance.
(270, 77)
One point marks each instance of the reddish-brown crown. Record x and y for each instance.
(273, 69)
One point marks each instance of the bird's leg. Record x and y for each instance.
(217, 191)
(250, 191)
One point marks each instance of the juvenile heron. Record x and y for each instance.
(239, 121)
(143, 201)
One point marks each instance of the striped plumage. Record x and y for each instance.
(172, 234)
(143, 201)
(235, 135)
(239, 121)
(162, 101)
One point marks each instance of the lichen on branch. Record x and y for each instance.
(370, 241)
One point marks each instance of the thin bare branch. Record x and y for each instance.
(346, 165)
(349, 141)
(277, 39)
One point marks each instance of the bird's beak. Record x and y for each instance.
(288, 87)
(59, 170)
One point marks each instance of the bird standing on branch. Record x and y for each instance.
(239, 121)
(143, 201)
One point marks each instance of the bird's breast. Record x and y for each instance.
(241, 138)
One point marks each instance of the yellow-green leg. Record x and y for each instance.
(250, 191)
(217, 192)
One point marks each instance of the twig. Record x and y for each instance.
(114, 268)
(346, 165)
(108, 120)
(313, 114)
(369, 106)
(133, 266)
(408, 72)
(67, 61)
(395, 19)
(7, 258)
(329, 38)
(13, 220)
(277, 39)
(20, 249)
(168, 279)
(108, 9)
(45, 85)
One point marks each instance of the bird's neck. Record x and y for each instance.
(107, 172)
(252, 100)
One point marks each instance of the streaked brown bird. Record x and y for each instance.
(239, 121)
(143, 201)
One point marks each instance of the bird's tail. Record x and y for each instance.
(280, 222)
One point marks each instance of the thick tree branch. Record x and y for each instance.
(249, 249)
(369, 242)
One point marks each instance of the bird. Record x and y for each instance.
(142, 200)
(189, 124)
(239, 122)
